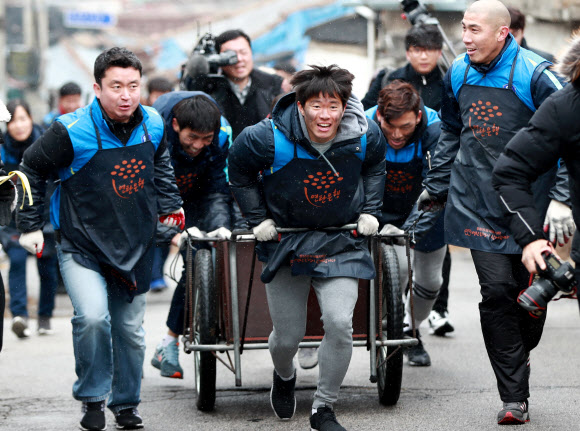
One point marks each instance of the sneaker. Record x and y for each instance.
(514, 413)
(282, 397)
(166, 359)
(439, 323)
(417, 354)
(324, 420)
(20, 327)
(44, 326)
(93, 416)
(308, 357)
(129, 419)
(157, 285)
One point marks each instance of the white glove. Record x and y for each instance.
(191, 232)
(390, 229)
(560, 222)
(367, 225)
(266, 231)
(428, 203)
(221, 233)
(32, 242)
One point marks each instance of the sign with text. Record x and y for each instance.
(88, 19)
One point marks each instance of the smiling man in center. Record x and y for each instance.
(323, 165)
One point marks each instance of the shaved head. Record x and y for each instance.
(495, 12)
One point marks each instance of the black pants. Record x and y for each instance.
(509, 332)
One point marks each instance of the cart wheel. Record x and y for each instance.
(390, 371)
(204, 329)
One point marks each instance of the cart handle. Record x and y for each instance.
(241, 232)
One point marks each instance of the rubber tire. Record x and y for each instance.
(390, 373)
(205, 329)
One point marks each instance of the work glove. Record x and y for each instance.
(174, 219)
(265, 231)
(192, 232)
(389, 229)
(8, 198)
(428, 203)
(221, 233)
(367, 225)
(33, 242)
(559, 222)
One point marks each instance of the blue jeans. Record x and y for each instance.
(108, 337)
(47, 270)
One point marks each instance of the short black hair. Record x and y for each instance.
(160, 84)
(197, 113)
(69, 89)
(328, 80)
(284, 66)
(15, 103)
(517, 17)
(425, 36)
(228, 35)
(115, 57)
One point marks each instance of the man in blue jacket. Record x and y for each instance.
(116, 182)
(323, 165)
(412, 131)
(198, 139)
(490, 93)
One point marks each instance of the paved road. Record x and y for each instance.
(457, 392)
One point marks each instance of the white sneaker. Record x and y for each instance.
(439, 323)
(308, 357)
(20, 327)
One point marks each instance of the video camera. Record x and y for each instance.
(416, 13)
(558, 276)
(202, 67)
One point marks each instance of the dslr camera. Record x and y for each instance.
(558, 276)
(200, 72)
(417, 13)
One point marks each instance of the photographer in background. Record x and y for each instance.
(552, 132)
(247, 93)
(423, 45)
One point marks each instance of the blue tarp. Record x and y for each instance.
(289, 35)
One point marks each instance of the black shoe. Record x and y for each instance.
(282, 397)
(324, 420)
(93, 416)
(128, 419)
(514, 413)
(417, 354)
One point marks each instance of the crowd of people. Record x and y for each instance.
(458, 157)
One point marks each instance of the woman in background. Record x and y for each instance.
(21, 132)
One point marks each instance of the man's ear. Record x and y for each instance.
(175, 125)
(300, 108)
(503, 33)
(419, 116)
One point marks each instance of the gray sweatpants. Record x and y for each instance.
(287, 300)
(427, 280)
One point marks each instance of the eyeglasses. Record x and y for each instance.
(415, 50)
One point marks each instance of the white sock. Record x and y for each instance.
(314, 411)
(287, 379)
(167, 340)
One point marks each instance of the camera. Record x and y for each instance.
(206, 48)
(417, 13)
(200, 72)
(558, 276)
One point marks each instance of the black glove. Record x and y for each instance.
(7, 195)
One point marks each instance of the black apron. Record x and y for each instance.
(403, 185)
(491, 116)
(110, 214)
(308, 193)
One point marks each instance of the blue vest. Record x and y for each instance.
(81, 130)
